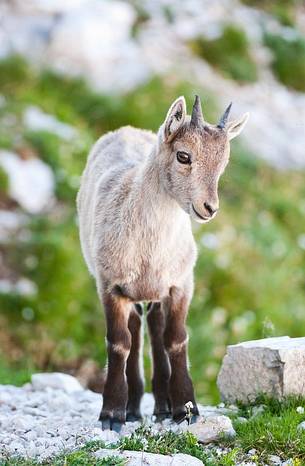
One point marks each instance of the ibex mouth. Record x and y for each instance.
(204, 219)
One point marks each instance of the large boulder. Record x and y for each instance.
(272, 366)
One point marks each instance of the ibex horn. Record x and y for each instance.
(223, 120)
(197, 117)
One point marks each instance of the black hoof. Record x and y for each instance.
(194, 419)
(162, 415)
(109, 423)
(131, 417)
(116, 425)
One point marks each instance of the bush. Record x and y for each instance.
(288, 60)
(229, 54)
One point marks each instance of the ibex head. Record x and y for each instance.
(193, 156)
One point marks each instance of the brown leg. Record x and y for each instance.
(117, 310)
(175, 339)
(161, 368)
(133, 367)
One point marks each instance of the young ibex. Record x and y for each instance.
(137, 195)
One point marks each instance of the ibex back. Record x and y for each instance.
(138, 193)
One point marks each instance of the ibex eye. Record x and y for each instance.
(183, 157)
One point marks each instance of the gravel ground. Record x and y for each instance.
(54, 414)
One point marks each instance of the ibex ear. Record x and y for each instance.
(174, 119)
(235, 127)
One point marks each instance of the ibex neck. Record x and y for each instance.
(151, 189)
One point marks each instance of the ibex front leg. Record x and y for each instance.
(175, 339)
(115, 396)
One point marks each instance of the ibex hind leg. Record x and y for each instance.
(134, 365)
(161, 367)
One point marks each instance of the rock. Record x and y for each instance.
(139, 458)
(56, 380)
(301, 426)
(37, 120)
(31, 182)
(257, 410)
(274, 459)
(273, 366)
(210, 429)
(104, 57)
(242, 420)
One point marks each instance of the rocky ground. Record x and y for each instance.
(54, 413)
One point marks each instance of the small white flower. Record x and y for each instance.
(300, 410)
(189, 405)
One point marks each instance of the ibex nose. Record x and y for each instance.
(212, 209)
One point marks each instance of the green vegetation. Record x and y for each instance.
(288, 59)
(15, 374)
(284, 11)
(82, 457)
(3, 183)
(273, 430)
(229, 54)
(250, 271)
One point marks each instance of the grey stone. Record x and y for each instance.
(301, 426)
(210, 429)
(273, 366)
(139, 458)
(57, 380)
(274, 459)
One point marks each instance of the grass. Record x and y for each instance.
(288, 59)
(14, 374)
(230, 54)
(274, 431)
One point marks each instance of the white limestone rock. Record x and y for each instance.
(31, 182)
(37, 120)
(273, 366)
(56, 380)
(210, 429)
(139, 458)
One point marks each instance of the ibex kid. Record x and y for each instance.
(138, 193)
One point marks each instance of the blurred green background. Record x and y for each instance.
(249, 278)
